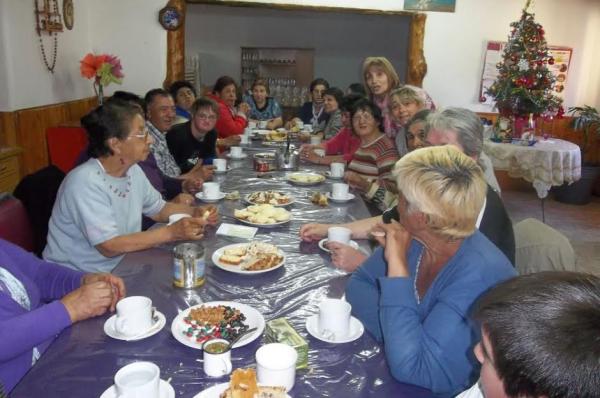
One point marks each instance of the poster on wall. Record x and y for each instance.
(493, 55)
(430, 5)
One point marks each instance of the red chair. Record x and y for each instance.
(14, 223)
(64, 146)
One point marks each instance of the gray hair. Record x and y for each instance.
(465, 123)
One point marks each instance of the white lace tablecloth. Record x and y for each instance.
(548, 163)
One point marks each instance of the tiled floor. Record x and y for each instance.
(581, 224)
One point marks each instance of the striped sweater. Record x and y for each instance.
(375, 162)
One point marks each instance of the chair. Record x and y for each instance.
(65, 144)
(14, 223)
(540, 247)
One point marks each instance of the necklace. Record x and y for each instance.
(417, 275)
(53, 27)
(113, 188)
(317, 115)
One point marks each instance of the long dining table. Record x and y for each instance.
(83, 360)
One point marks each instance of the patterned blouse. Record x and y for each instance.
(271, 110)
(165, 161)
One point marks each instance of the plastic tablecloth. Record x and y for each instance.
(83, 360)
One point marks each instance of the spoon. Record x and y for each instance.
(239, 336)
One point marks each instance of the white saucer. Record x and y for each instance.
(328, 175)
(356, 330)
(200, 195)
(244, 156)
(109, 328)
(166, 391)
(348, 198)
(322, 246)
(222, 171)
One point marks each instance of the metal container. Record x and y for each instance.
(265, 161)
(188, 265)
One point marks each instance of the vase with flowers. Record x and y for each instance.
(104, 69)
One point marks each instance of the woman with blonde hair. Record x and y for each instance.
(405, 102)
(415, 293)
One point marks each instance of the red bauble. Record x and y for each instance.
(482, 99)
(539, 62)
(551, 61)
(541, 31)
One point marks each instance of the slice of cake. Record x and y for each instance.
(243, 385)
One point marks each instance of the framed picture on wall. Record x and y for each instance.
(430, 5)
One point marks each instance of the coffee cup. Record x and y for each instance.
(339, 191)
(173, 218)
(211, 190)
(334, 318)
(220, 164)
(339, 234)
(276, 365)
(262, 124)
(217, 357)
(307, 128)
(315, 140)
(134, 315)
(300, 124)
(235, 151)
(138, 380)
(337, 169)
(247, 131)
(244, 139)
(252, 125)
(319, 152)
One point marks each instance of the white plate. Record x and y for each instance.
(166, 391)
(356, 330)
(236, 269)
(216, 391)
(262, 131)
(302, 183)
(254, 319)
(109, 328)
(200, 195)
(244, 156)
(222, 171)
(265, 225)
(292, 200)
(348, 198)
(322, 246)
(328, 175)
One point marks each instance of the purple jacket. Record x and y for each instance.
(22, 330)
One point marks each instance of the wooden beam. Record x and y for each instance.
(417, 66)
(176, 47)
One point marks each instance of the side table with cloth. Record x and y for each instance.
(548, 163)
(83, 360)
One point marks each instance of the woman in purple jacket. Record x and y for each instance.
(38, 300)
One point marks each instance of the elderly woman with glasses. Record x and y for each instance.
(370, 170)
(415, 294)
(97, 215)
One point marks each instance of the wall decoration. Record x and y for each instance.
(68, 14)
(430, 5)
(170, 18)
(48, 20)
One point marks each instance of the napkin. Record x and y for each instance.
(237, 231)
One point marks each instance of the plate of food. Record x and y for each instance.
(243, 383)
(275, 198)
(276, 135)
(305, 179)
(249, 258)
(264, 215)
(223, 319)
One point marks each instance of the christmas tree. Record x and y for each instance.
(524, 84)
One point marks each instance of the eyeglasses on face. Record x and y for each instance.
(142, 135)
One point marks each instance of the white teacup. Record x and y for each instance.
(244, 139)
(307, 128)
(276, 365)
(339, 191)
(217, 357)
(262, 124)
(334, 318)
(173, 218)
(134, 315)
(252, 125)
(220, 164)
(300, 124)
(315, 139)
(337, 169)
(138, 380)
(211, 190)
(235, 151)
(319, 152)
(248, 130)
(339, 234)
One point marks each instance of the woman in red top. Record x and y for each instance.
(232, 121)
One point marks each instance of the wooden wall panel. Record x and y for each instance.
(8, 131)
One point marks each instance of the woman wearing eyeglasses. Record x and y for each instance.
(370, 170)
(97, 215)
(195, 140)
